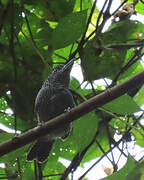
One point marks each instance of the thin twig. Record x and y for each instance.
(71, 49)
(142, 1)
(19, 168)
(37, 50)
(78, 158)
(89, 20)
(141, 126)
(14, 61)
(122, 120)
(123, 46)
(119, 7)
(133, 60)
(35, 170)
(82, 42)
(40, 172)
(115, 145)
(7, 114)
(81, 1)
(99, 16)
(62, 57)
(109, 6)
(4, 14)
(122, 150)
(29, 28)
(110, 142)
(100, 147)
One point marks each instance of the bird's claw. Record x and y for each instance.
(67, 110)
(41, 123)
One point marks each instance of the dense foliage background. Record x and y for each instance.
(36, 36)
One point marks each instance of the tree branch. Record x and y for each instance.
(74, 114)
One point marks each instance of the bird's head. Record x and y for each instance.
(61, 74)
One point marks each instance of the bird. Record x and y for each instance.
(53, 99)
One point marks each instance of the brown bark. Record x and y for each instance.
(74, 114)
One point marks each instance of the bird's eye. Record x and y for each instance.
(55, 70)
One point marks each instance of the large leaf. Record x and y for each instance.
(12, 155)
(122, 105)
(40, 30)
(139, 98)
(139, 6)
(83, 131)
(137, 172)
(50, 10)
(132, 70)
(69, 29)
(139, 136)
(63, 52)
(121, 174)
(95, 150)
(97, 63)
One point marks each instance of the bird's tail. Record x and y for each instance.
(40, 150)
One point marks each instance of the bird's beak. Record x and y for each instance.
(68, 66)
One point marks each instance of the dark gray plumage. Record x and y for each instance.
(53, 99)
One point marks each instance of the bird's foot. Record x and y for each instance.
(67, 109)
(41, 123)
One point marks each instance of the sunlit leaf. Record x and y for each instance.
(69, 29)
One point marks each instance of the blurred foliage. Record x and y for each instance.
(35, 36)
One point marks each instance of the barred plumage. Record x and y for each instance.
(52, 100)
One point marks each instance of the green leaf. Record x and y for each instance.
(14, 154)
(17, 19)
(97, 63)
(54, 168)
(2, 171)
(86, 4)
(132, 70)
(139, 6)
(95, 151)
(138, 136)
(63, 52)
(28, 170)
(124, 31)
(85, 126)
(10, 171)
(139, 97)
(4, 1)
(105, 64)
(41, 32)
(122, 105)
(69, 29)
(74, 83)
(121, 174)
(137, 172)
(82, 133)
(51, 10)
(3, 104)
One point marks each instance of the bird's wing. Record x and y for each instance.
(52, 102)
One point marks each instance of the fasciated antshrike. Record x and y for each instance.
(53, 99)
